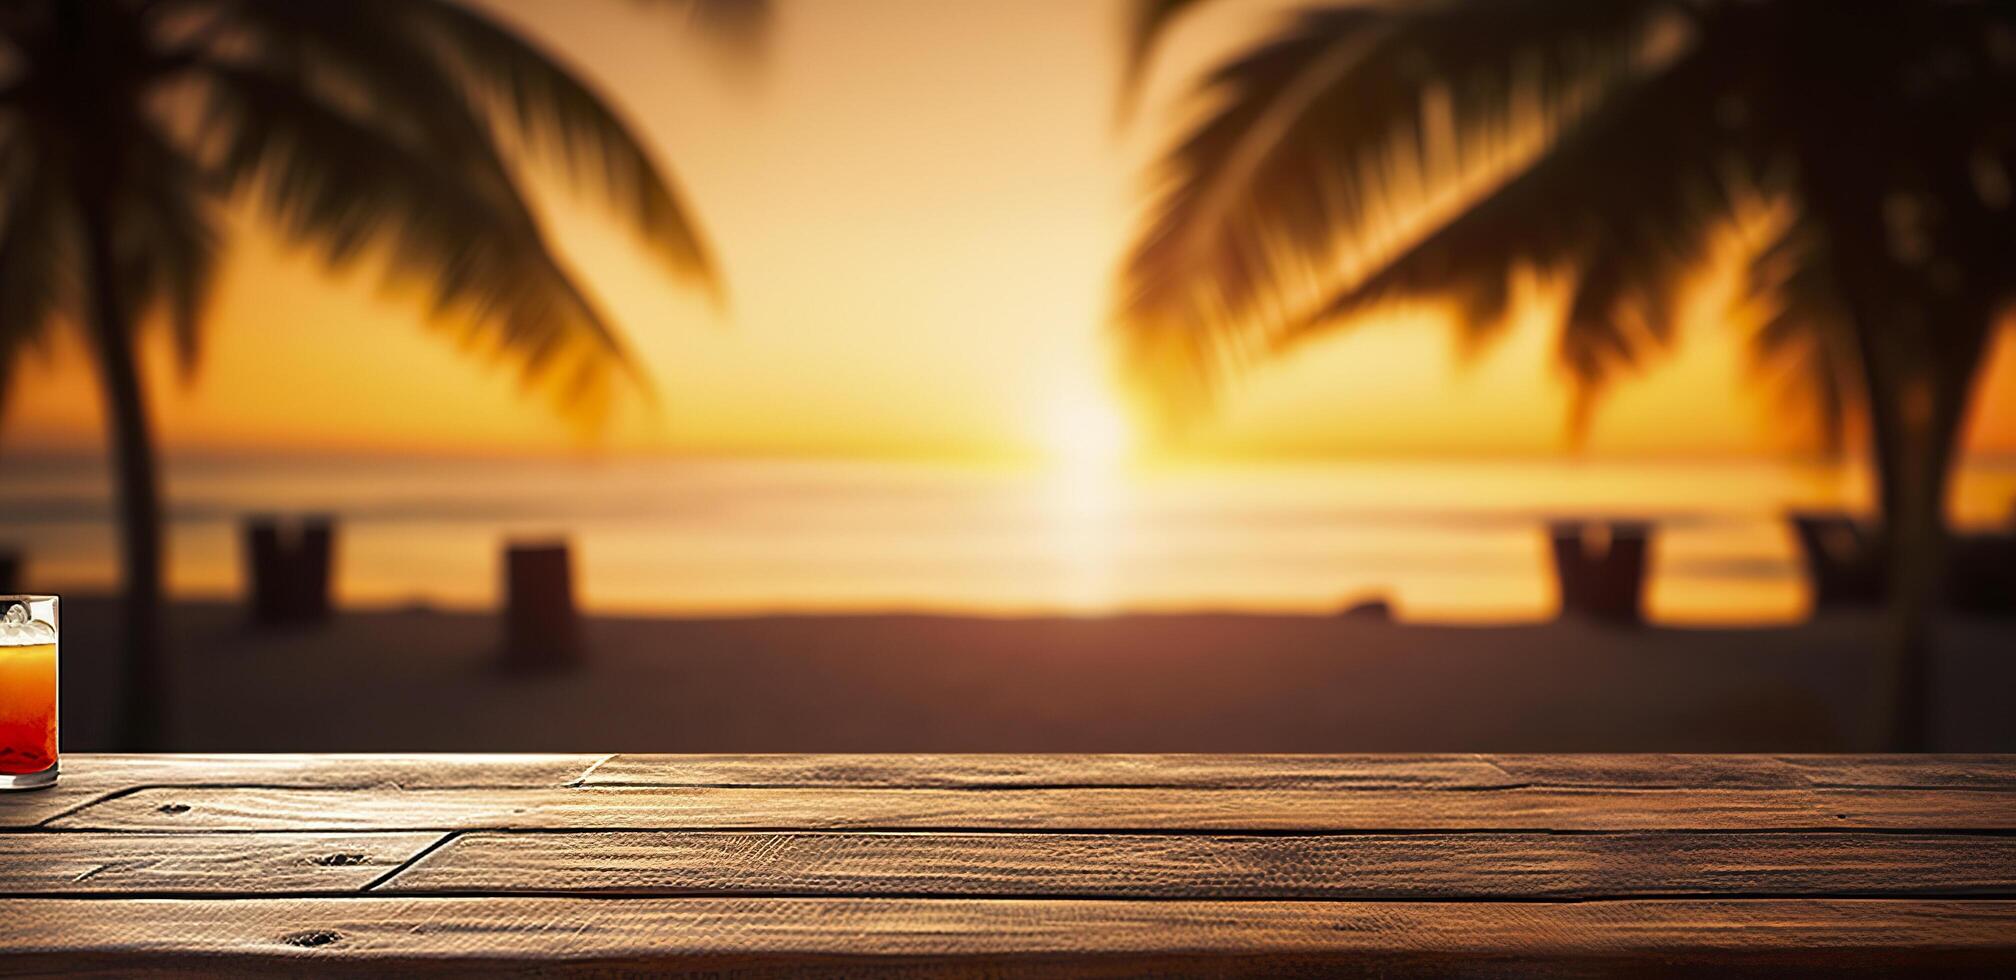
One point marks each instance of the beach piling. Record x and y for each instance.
(1845, 565)
(264, 561)
(289, 566)
(542, 629)
(1600, 569)
(1843, 559)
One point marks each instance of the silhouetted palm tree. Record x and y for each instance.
(1391, 149)
(381, 127)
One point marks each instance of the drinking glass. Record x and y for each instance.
(27, 691)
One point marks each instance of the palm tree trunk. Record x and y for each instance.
(1912, 496)
(1918, 422)
(142, 714)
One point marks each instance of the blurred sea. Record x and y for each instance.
(1458, 540)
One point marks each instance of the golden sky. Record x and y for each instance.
(917, 207)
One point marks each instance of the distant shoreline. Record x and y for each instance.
(1445, 542)
(98, 595)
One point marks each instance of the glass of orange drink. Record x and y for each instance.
(27, 691)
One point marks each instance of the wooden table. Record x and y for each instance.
(1116, 865)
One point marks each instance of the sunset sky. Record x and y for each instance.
(917, 207)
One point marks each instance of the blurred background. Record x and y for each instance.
(889, 375)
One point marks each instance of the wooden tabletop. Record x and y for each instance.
(984, 865)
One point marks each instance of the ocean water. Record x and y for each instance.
(1458, 540)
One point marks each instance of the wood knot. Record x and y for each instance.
(340, 860)
(312, 938)
(172, 809)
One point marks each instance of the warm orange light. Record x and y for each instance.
(1087, 431)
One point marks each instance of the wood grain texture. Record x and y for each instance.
(1644, 771)
(1449, 865)
(87, 777)
(489, 936)
(1095, 809)
(219, 864)
(1957, 771)
(952, 771)
(1411, 866)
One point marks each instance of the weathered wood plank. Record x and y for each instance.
(1644, 771)
(1956, 771)
(1409, 866)
(1647, 771)
(1653, 771)
(223, 864)
(954, 771)
(88, 777)
(1524, 809)
(375, 936)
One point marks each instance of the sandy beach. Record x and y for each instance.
(421, 680)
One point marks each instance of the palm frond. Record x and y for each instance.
(166, 242)
(1335, 133)
(1147, 22)
(1802, 339)
(743, 26)
(339, 184)
(38, 253)
(562, 116)
(1625, 198)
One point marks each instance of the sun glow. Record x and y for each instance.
(1088, 439)
(1088, 432)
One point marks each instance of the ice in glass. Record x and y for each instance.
(27, 691)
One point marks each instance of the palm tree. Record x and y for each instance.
(1389, 150)
(380, 127)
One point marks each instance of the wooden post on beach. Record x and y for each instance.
(541, 627)
(1846, 566)
(289, 573)
(1600, 568)
(1843, 558)
(265, 564)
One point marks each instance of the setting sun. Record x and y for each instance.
(1086, 430)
